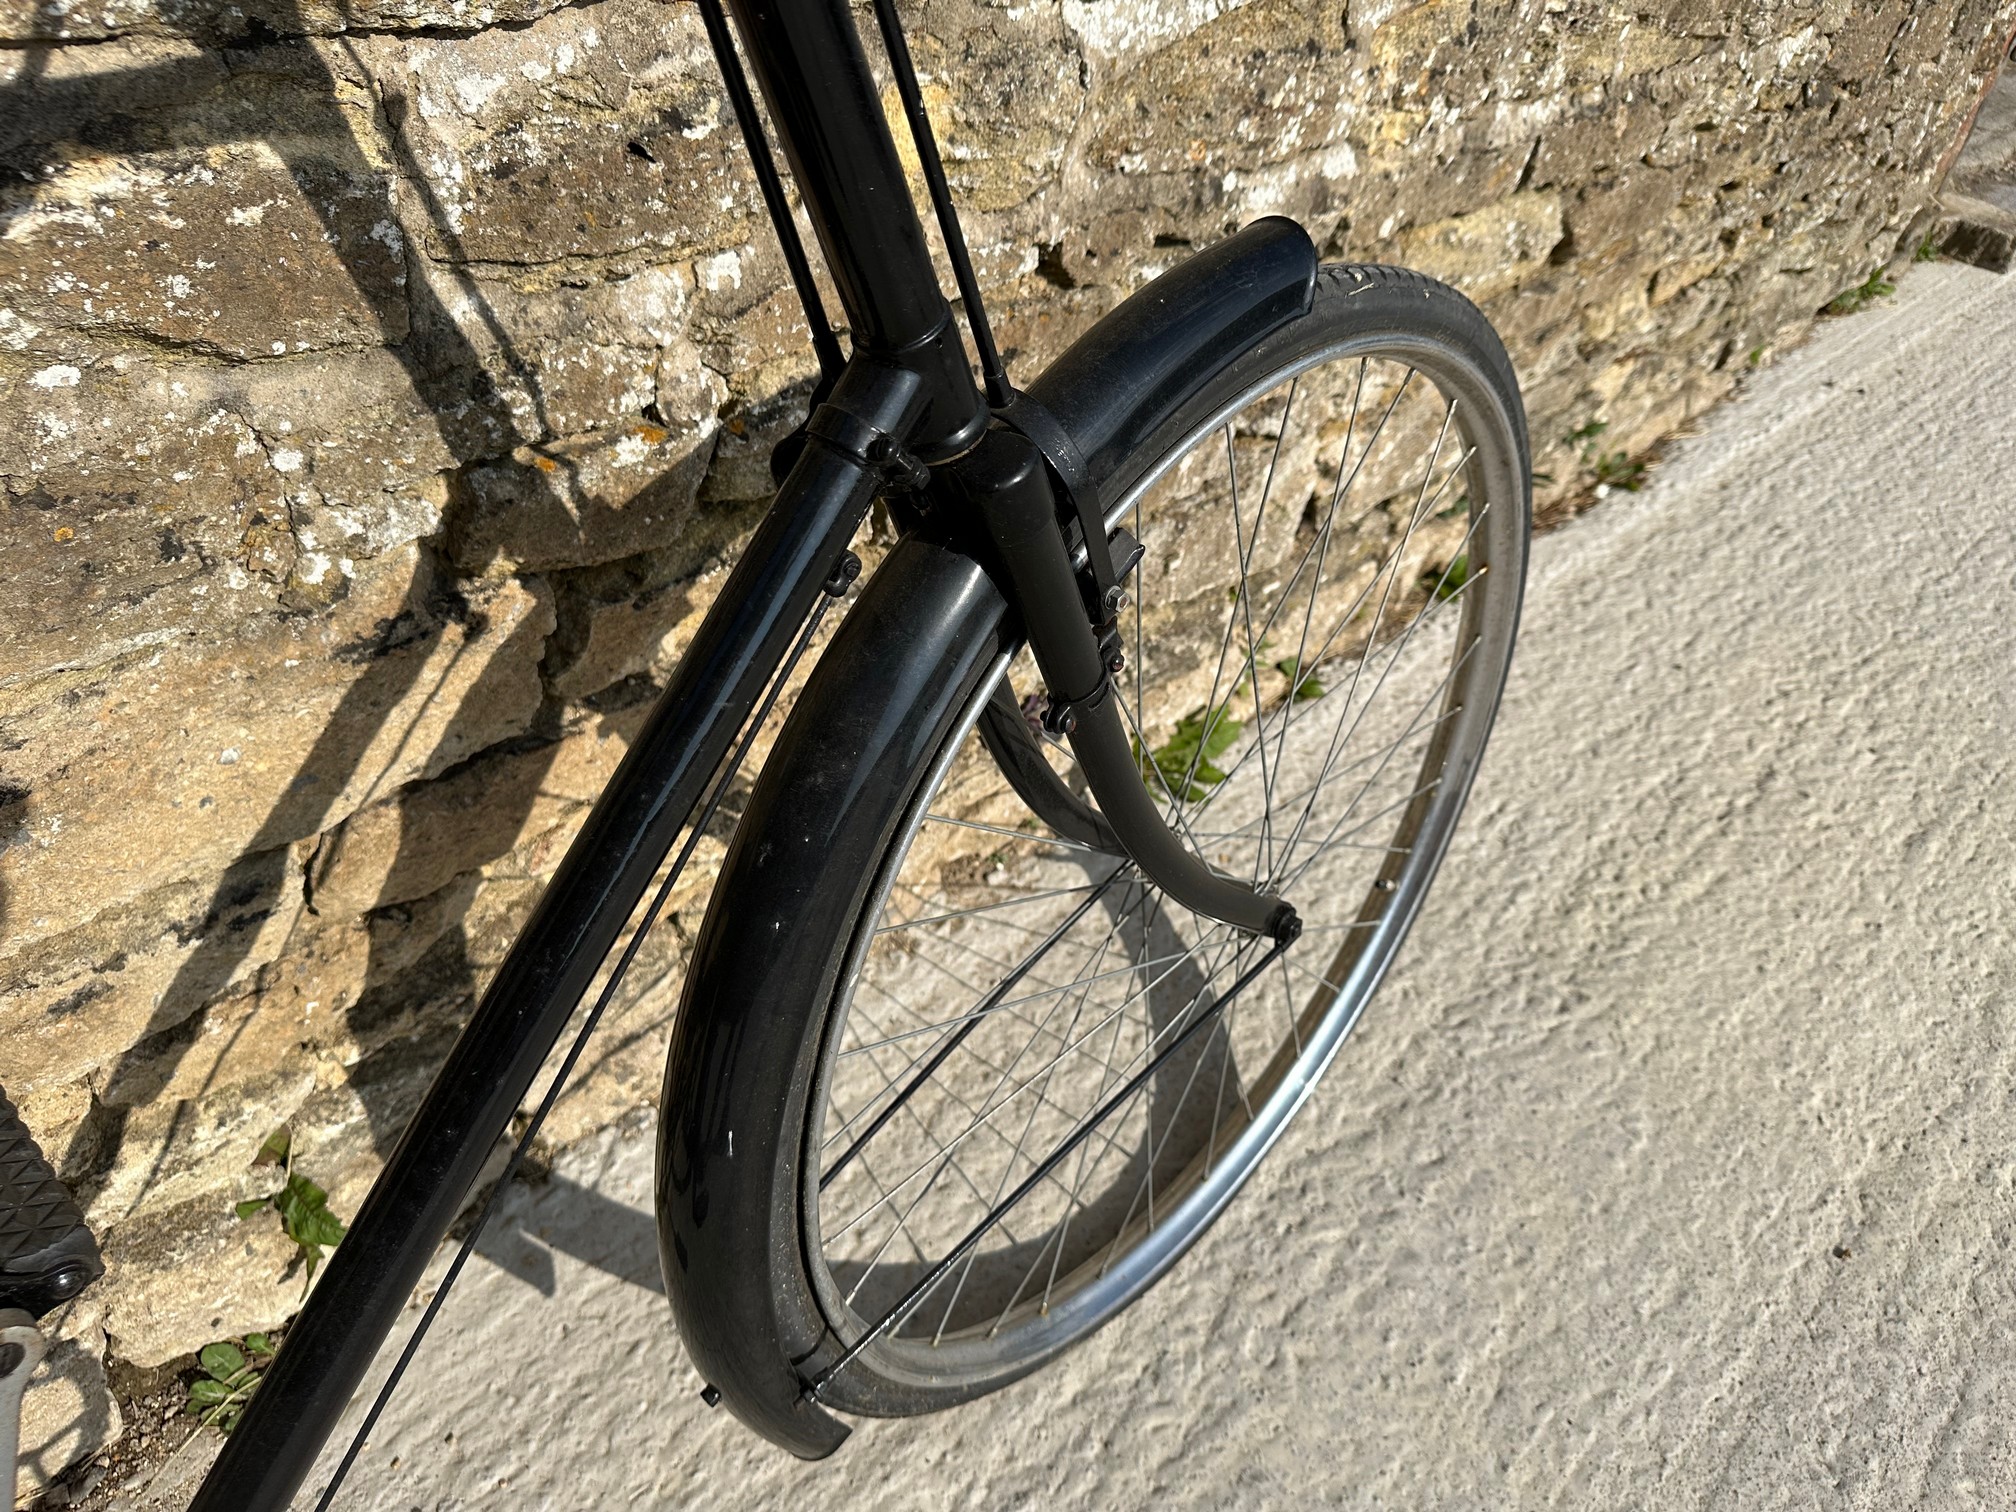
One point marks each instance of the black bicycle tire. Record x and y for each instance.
(734, 1068)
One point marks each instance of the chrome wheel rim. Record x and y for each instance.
(1113, 982)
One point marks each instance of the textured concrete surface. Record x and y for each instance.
(1673, 1166)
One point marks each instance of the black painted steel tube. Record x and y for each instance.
(824, 341)
(1101, 746)
(815, 79)
(1007, 737)
(595, 889)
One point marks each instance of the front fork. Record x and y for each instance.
(1006, 480)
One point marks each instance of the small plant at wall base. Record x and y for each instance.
(1305, 685)
(302, 1205)
(1185, 762)
(1619, 471)
(1867, 292)
(1449, 582)
(231, 1371)
(1609, 469)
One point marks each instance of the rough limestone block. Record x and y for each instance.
(194, 1148)
(1004, 89)
(67, 1414)
(1181, 109)
(571, 359)
(230, 20)
(249, 215)
(209, 1275)
(595, 133)
(580, 501)
(78, 1001)
(415, 843)
(203, 753)
(1491, 252)
(148, 502)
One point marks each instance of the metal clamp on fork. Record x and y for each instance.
(1006, 479)
(857, 438)
(1108, 562)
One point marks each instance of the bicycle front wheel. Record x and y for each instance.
(926, 1014)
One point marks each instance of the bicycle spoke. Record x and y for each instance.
(984, 908)
(1008, 1169)
(1010, 1003)
(1321, 657)
(1085, 1174)
(1030, 835)
(952, 1041)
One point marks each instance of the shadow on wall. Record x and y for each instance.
(48, 120)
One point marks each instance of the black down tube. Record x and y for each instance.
(593, 893)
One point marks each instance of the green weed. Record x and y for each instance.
(1617, 470)
(302, 1205)
(1186, 762)
(1609, 469)
(1306, 686)
(1449, 582)
(231, 1371)
(1867, 292)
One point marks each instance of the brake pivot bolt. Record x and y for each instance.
(844, 572)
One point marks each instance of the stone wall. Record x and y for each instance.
(387, 383)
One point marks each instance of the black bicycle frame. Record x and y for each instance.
(906, 399)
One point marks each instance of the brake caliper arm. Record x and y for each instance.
(1006, 479)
